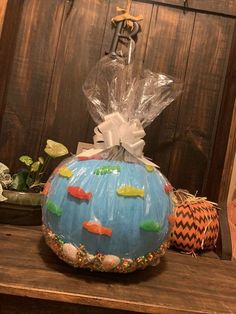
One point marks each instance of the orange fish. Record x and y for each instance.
(94, 227)
(56, 170)
(79, 193)
(95, 157)
(46, 188)
(168, 188)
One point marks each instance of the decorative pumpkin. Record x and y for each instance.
(196, 224)
(107, 215)
(110, 210)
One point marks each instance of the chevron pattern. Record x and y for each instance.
(196, 226)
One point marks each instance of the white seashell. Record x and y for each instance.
(129, 260)
(156, 262)
(2, 198)
(110, 262)
(70, 251)
(5, 177)
(3, 168)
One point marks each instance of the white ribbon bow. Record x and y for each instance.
(115, 130)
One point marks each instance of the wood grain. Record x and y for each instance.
(10, 19)
(23, 305)
(224, 245)
(37, 273)
(3, 5)
(229, 160)
(226, 7)
(167, 52)
(217, 162)
(200, 105)
(78, 50)
(30, 79)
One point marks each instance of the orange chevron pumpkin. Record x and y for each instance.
(196, 225)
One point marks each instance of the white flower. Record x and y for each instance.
(54, 149)
(2, 198)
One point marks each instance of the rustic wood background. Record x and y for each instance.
(51, 46)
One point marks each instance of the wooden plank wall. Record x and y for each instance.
(222, 7)
(10, 14)
(218, 166)
(228, 179)
(58, 43)
(3, 5)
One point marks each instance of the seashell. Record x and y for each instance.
(110, 262)
(155, 262)
(70, 251)
(129, 260)
(2, 198)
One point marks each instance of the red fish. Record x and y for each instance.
(78, 192)
(95, 157)
(46, 188)
(56, 170)
(168, 188)
(94, 227)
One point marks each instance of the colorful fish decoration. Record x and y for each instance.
(46, 188)
(65, 172)
(107, 170)
(53, 208)
(97, 228)
(130, 191)
(168, 188)
(149, 168)
(151, 225)
(79, 193)
(95, 157)
(56, 170)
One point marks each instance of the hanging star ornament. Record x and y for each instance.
(126, 17)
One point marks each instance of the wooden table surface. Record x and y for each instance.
(31, 274)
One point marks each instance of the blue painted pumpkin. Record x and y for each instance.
(107, 215)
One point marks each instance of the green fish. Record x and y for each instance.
(60, 240)
(106, 170)
(151, 225)
(130, 191)
(53, 208)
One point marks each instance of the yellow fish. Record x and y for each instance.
(65, 172)
(149, 168)
(129, 190)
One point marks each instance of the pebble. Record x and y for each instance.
(156, 262)
(70, 251)
(110, 262)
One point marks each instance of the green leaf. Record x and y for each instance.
(29, 181)
(19, 181)
(41, 160)
(35, 166)
(27, 160)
